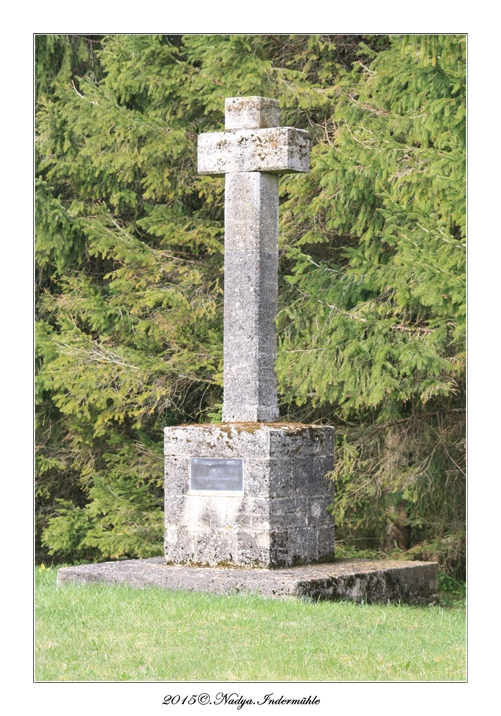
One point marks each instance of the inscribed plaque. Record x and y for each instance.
(217, 474)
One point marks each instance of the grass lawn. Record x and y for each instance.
(105, 633)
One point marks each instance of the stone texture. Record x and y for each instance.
(277, 150)
(251, 113)
(250, 151)
(347, 580)
(279, 519)
(250, 297)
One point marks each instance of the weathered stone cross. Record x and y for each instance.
(251, 152)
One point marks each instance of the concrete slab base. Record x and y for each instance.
(357, 580)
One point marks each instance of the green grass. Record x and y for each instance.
(106, 633)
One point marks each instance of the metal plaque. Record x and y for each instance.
(209, 473)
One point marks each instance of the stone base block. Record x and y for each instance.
(262, 500)
(355, 580)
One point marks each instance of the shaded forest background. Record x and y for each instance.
(129, 255)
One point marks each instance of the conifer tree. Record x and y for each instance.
(130, 274)
(373, 318)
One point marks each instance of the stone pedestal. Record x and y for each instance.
(248, 494)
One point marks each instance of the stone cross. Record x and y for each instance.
(251, 153)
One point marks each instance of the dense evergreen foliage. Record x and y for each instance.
(130, 275)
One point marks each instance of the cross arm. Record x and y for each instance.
(275, 150)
